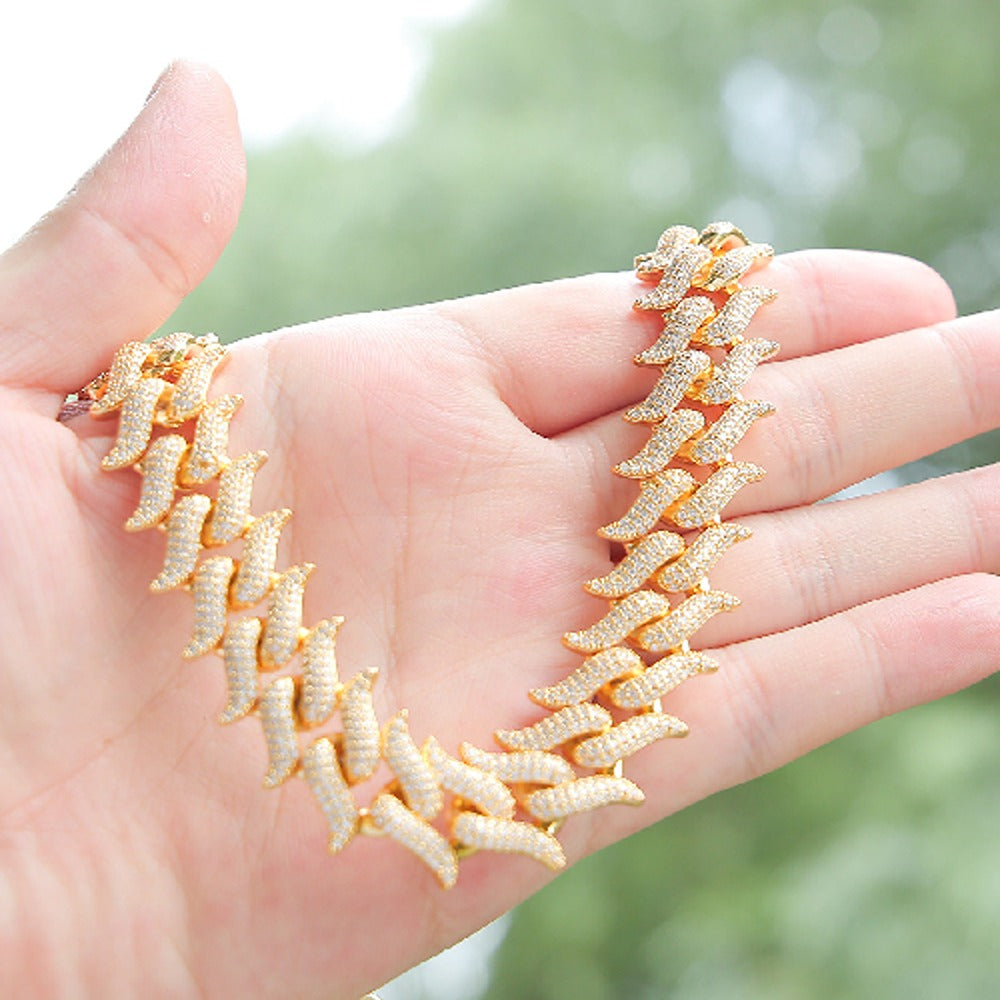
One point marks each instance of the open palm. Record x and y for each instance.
(448, 466)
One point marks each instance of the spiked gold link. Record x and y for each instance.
(439, 805)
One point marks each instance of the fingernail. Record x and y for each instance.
(159, 82)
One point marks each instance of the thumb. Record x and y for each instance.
(135, 235)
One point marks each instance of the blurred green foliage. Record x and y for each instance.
(557, 138)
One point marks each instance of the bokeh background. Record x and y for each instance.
(436, 150)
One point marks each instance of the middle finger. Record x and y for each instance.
(842, 416)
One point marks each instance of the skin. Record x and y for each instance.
(448, 466)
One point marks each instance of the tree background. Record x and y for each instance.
(557, 138)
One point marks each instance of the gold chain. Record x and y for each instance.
(323, 729)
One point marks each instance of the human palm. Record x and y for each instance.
(448, 466)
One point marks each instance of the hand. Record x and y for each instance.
(448, 467)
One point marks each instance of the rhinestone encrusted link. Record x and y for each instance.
(679, 329)
(417, 835)
(239, 653)
(593, 674)
(676, 381)
(255, 573)
(277, 714)
(582, 795)
(556, 729)
(418, 782)
(521, 767)
(489, 833)
(283, 624)
(663, 445)
(159, 476)
(320, 681)
(656, 496)
(321, 769)
(361, 728)
(642, 560)
(210, 590)
(136, 425)
(473, 785)
(627, 738)
(660, 678)
(211, 438)
(620, 622)
(232, 505)
(184, 526)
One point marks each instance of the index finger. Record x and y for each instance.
(558, 353)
